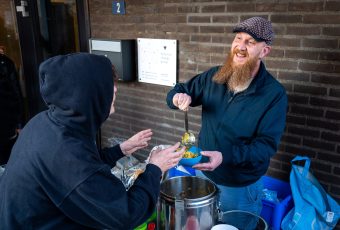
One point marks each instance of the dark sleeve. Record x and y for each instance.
(102, 202)
(270, 129)
(194, 87)
(16, 96)
(111, 154)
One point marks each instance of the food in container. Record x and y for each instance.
(191, 156)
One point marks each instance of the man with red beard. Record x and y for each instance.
(243, 117)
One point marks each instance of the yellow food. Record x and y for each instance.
(189, 154)
(185, 138)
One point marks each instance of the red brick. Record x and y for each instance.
(187, 47)
(300, 150)
(199, 19)
(298, 99)
(203, 67)
(291, 139)
(225, 19)
(294, 76)
(154, 19)
(305, 6)
(206, 48)
(211, 29)
(312, 90)
(187, 29)
(329, 125)
(302, 54)
(332, 137)
(175, 19)
(306, 30)
(332, 6)
(286, 18)
(325, 79)
(331, 31)
(271, 7)
(224, 38)
(240, 7)
(312, 112)
(287, 42)
(322, 167)
(332, 115)
(168, 10)
(317, 67)
(218, 60)
(321, 102)
(320, 43)
(282, 64)
(200, 38)
(295, 119)
(188, 9)
(303, 131)
(321, 19)
(314, 143)
(166, 28)
(219, 8)
(334, 92)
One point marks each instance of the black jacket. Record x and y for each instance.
(55, 178)
(11, 100)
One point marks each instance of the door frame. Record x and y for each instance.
(31, 48)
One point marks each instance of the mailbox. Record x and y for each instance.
(121, 54)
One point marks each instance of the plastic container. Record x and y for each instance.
(142, 226)
(192, 161)
(145, 225)
(273, 212)
(176, 171)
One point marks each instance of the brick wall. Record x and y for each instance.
(305, 59)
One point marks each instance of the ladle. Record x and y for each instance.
(188, 138)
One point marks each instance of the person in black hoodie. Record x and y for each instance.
(55, 177)
(11, 104)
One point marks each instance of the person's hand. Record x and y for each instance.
(166, 158)
(215, 159)
(182, 101)
(137, 141)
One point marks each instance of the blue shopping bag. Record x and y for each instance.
(314, 208)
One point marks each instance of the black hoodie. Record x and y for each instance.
(11, 100)
(55, 178)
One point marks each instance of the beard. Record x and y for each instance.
(235, 75)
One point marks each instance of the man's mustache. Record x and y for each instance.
(242, 52)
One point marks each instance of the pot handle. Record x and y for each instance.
(219, 212)
(179, 209)
(179, 204)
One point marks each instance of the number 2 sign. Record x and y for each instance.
(118, 7)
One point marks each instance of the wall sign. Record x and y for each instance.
(118, 7)
(157, 61)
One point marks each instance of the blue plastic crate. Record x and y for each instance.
(274, 212)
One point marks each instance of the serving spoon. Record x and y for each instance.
(188, 138)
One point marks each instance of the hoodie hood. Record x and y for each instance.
(78, 90)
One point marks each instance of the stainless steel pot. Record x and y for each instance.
(187, 202)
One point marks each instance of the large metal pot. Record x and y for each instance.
(187, 202)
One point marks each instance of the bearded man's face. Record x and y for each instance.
(243, 59)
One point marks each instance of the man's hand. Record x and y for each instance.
(137, 141)
(182, 101)
(215, 159)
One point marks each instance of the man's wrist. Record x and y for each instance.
(123, 147)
